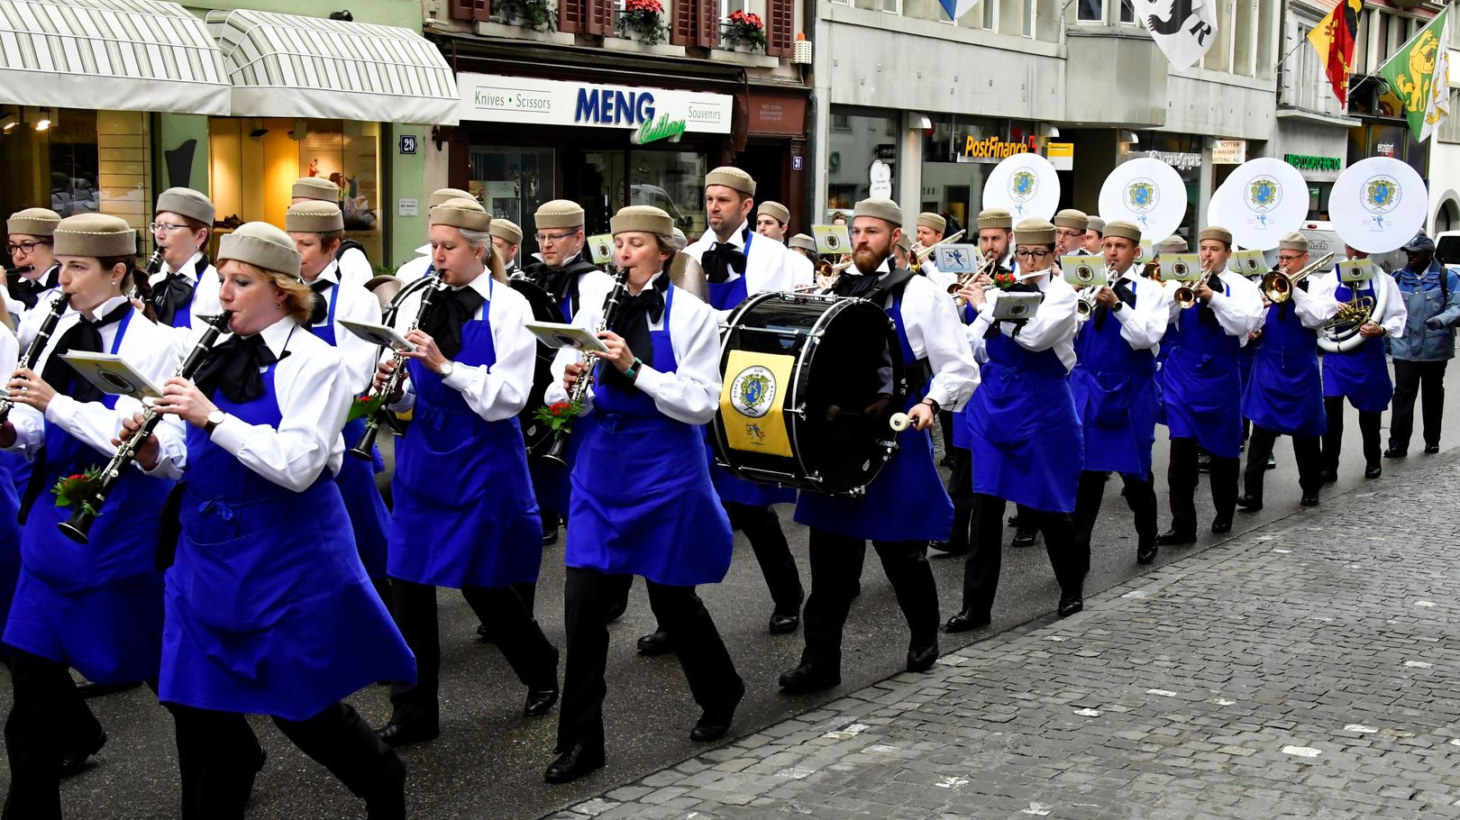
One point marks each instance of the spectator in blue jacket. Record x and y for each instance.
(1432, 295)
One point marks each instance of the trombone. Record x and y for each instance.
(1278, 286)
(920, 254)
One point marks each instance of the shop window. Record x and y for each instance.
(511, 183)
(868, 138)
(674, 182)
(1318, 200)
(49, 160)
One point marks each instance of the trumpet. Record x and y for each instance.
(365, 448)
(1185, 296)
(920, 254)
(827, 274)
(1278, 286)
(557, 452)
(78, 527)
(990, 263)
(38, 344)
(1085, 303)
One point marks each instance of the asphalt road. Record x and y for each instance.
(489, 760)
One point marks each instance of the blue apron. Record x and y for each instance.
(369, 517)
(9, 540)
(465, 514)
(906, 501)
(1115, 398)
(1024, 433)
(269, 610)
(1202, 387)
(98, 606)
(1362, 374)
(640, 506)
(1284, 394)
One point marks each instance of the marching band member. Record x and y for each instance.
(317, 228)
(1115, 390)
(996, 236)
(928, 232)
(28, 242)
(804, 245)
(417, 267)
(1070, 226)
(1023, 430)
(1284, 393)
(680, 240)
(905, 506)
(770, 220)
(355, 266)
(1202, 389)
(96, 607)
(1362, 374)
(1431, 296)
(187, 283)
(1095, 235)
(568, 274)
(268, 608)
(506, 241)
(469, 377)
(639, 505)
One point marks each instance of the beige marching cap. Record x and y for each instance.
(774, 210)
(731, 177)
(97, 236)
(1071, 218)
(442, 195)
(1294, 242)
(463, 214)
(1034, 232)
(644, 219)
(315, 188)
(995, 218)
(507, 231)
(1124, 230)
(559, 213)
(314, 216)
(883, 209)
(933, 222)
(1216, 232)
(261, 245)
(186, 202)
(33, 222)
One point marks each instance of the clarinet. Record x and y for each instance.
(393, 383)
(78, 528)
(557, 453)
(38, 344)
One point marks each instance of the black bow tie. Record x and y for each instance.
(450, 310)
(28, 291)
(857, 285)
(320, 311)
(233, 367)
(85, 335)
(721, 259)
(171, 295)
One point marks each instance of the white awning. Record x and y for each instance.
(131, 55)
(284, 65)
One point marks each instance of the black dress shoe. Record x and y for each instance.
(1309, 500)
(550, 537)
(74, 760)
(784, 624)
(1328, 476)
(657, 642)
(921, 658)
(91, 689)
(809, 678)
(484, 635)
(1222, 526)
(574, 763)
(539, 701)
(1204, 463)
(1070, 604)
(1146, 554)
(1431, 449)
(1395, 452)
(715, 723)
(947, 548)
(1025, 538)
(1171, 538)
(966, 620)
(1249, 503)
(395, 734)
(617, 611)
(1373, 471)
(1271, 462)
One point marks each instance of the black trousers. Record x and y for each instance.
(1140, 496)
(986, 547)
(1182, 475)
(218, 756)
(587, 596)
(763, 529)
(1333, 408)
(526, 649)
(1409, 378)
(960, 489)
(836, 572)
(47, 718)
(1307, 450)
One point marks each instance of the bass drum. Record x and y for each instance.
(538, 436)
(810, 383)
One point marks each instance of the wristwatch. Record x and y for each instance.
(447, 368)
(215, 418)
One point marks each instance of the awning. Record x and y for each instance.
(284, 65)
(132, 55)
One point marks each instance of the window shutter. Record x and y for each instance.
(600, 17)
(682, 22)
(780, 18)
(571, 14)
(707, 34)
(471, 10)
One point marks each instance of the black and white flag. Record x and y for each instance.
(1182, 29)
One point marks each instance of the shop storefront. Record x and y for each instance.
(959, 152)
(526, 140)
(1318, 148)
(1184, 153)
(862, 158)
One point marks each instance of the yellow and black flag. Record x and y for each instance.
(1333, 38)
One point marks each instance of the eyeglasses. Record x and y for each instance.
(1031, 254)
(552, 237)
(28, 247)
(164, 227)
(1289, 259)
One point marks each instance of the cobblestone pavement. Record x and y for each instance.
(1308, 669)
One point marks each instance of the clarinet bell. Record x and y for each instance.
(78, 526)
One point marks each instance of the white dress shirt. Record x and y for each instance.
(415, 268)
(9, 351)
(1053, 326)
(355, 268)
(498, 392)
(1390, 312)
(691, 393)
(28, 320)
(933, 331)
(1316, 305)
(1239, 311)
(1143, 326)
(147, 348)
(360, 305)
(769, 266)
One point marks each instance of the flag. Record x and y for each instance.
(1419, 75)
(957, 8)
(1182, 29)
(1333, 39)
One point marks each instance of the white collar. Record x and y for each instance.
(276, 336)
(189, 268)
(482, 284)
(736, 239)
(331, 274)
(105, 307)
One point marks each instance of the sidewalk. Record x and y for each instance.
(1307, 669)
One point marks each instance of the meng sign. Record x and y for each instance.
(601, 246)
(832, 240)
(958, 259)
(751, 399)
(1084, 271)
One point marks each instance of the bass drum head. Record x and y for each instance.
(538, 436)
